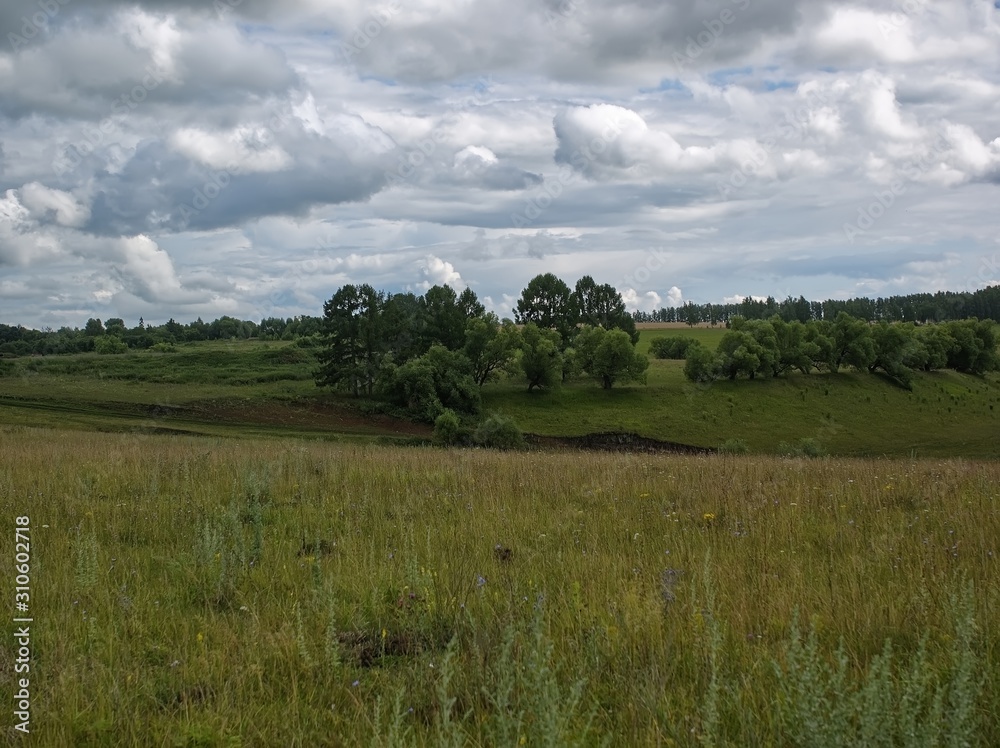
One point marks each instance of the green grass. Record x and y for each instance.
(848, 413)
(206, 592)
(266, 388)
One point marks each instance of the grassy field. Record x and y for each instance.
(201, 592)
(266, 388)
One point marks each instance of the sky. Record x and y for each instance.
(200, 158)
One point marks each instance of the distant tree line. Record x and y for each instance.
(432, 353)
(114, 336)
(920, 308)
(769, 348)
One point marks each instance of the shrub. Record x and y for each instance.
(163, 348)
(498, 432)
(734, 447)
(674, 347)
(802, 448)
(447, 429)
(701, 364)
(109, 344)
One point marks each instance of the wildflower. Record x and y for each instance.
(480, 581)
(708, 516)
(200, 637)
(644, 496)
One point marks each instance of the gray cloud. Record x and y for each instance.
(183, 158)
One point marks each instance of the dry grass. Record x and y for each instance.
(215, 592)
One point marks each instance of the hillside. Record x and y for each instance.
(266, 388)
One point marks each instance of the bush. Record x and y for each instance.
(802, 448)
(163, 348)
(498, 432)
(448, 429)
(109, 344)
(701, 364)
(674, 347)
(734, 447)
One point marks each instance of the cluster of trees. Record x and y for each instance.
(114, 336)
(434, 352)
(769, 348)
(922, 307)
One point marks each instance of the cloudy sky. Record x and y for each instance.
(185, 158)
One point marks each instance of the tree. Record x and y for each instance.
(541, 360)
(892, 343)
(739, 353)
(404, 326)
(93, 328)
(109, 344)
(975, 350)
(608, 356)
(602, 306)
(470, 304)
(353, 339)
(794, 350)
(547, 302)
(490, 346)
(444, 318)
(430, 384)
(673, 347)
(701, 364)
(938, 343)
(822, 348)
(115, 326)
(852, 343)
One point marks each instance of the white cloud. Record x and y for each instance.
(744, 160)
(43, 202)
(438, 272)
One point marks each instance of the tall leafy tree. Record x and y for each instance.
(541, 359)
(548, 303)
(354, 340)
(852, 342)
(444, 318)
(602, 306)
(609, 356)
(490, 346)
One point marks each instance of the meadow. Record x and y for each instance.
(240, 388)
(200, 591)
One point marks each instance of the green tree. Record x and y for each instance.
(602, 306)
(853, 343)
(490, 346)
(115, 326)
(893, 344)
(548, 303)
(540, 360)
(701, 364)
(975, 349)
(109, 344)
(470, 305)
(739, 353)
(795, 351)
(432, 383)
(444, 318)
(609, 356)
(404, 327)
(93, 328)
(822, 347)
(938, 343)
(353, 340)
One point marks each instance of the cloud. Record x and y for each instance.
(438, 272)
(184, 158)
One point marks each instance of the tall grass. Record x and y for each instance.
(215, 592)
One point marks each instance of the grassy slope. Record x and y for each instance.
(153, 627)
(242, 388)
